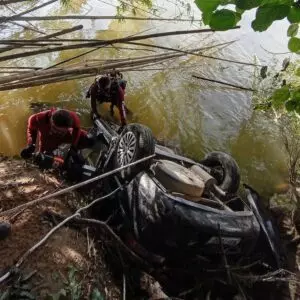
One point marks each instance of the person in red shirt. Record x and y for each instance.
(110, 88)
(52, 128)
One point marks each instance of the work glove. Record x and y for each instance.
(26, 153)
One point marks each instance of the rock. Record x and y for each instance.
(5, 229)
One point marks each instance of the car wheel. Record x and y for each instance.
(136, 141)
(225, 169)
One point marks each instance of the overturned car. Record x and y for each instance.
(179, 209)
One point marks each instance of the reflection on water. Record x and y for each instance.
(196, 115)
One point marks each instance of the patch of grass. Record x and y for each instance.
(19, 289)
(72, 289)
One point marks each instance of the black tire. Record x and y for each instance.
(229, 179)
(138, 142)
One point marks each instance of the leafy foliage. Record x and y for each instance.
(72, 289)
(219, 18)
(293, 30)
(224, 19)
(284, 93)
(19, 289)
(294, 44)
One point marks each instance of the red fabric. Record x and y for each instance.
(39, 125)
(121, 106)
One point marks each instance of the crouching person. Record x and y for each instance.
(54, 127)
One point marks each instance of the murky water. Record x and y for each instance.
(195, 115)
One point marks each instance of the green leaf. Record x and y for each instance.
(294, 15)
(293, 30)
(294, 44)
(291, 105)
(248, 4)
(280, 96)
(277, 2)
(224, 19)
(267, 14)
(297, 72)
(296, 95)
(207, 7)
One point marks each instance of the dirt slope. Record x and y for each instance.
(55, 262)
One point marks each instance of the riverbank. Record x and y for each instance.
(71, 262)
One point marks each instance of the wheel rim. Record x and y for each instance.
(126, 149)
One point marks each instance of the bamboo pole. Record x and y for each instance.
(15, 17)
(46, 37)
(27, 27)
(62, 75)
(21, 68)
(5, 2)
(224, 83)
(12, 72)
(199, 54)
(85, 53)
(85, 65)
(23, 43)
(106, 42)
(63, 78)
(76, 17)
(88, 69)
(59, 79)
(14, 12)
(88, 52)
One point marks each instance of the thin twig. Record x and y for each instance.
(224, 83)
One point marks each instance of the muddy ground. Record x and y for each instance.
(70, 263)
